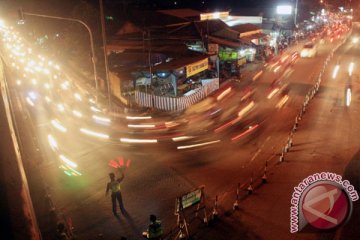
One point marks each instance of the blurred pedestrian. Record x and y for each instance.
(155, 230)
(115, 188)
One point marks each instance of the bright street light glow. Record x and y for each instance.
(284, 10)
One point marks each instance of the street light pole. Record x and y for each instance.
(103, 33)
(91, 41)
(296, 12)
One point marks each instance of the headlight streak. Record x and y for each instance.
(101, 119)
(250, 129)
(335, 72)
(52, 142)
(95, 134)
(31, 103)
(77, 113)
(130, 140)
(141, 126)
(198, 145)
(223, 94)
(138, 118)
(348, 97)
(94, 109)
(58, 125)
(67, 161)
(182, 138)
(351, 68)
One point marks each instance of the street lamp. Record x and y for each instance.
(103, 34)
(90, 34)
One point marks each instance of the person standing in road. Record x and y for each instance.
(115, 188)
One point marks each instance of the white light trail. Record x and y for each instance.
(31, 103)
(197, 145)
(182, 138)
(141, 126)
(94, 109)
(53, 143)
(77, 113)
(58, 125)
(61, 107)
(78, 96)
(335, 72)
(351, 68)
(95, 134)
(102, 119)
(138, 118)
(246, 109)
(348, 97)
(67, 161)
(130, 140)
(223, 94)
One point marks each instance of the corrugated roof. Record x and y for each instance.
(227, 33)
(180, 62)
(210, 26)
(248, 27)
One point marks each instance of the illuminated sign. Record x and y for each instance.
(189, 199)
(214, 15)
(284, 10)
(197, 67)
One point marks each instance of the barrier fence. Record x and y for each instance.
(175, 103)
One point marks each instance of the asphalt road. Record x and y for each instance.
(156, 174)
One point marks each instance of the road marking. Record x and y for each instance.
(259, 151)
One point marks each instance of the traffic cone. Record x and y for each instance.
(264, 178)
(215, 212)
(250, 188)
(236, 203)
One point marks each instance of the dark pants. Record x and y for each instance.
(114, 196)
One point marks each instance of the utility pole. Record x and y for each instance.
(296, 12)
(103, 33)
(21, 14)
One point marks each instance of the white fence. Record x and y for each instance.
(179, 103)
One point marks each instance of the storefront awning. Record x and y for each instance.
(254, 36)
(179, 63)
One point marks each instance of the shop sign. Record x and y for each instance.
(189, 199)
(197, 67)
(227, 55)
(213, 48)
